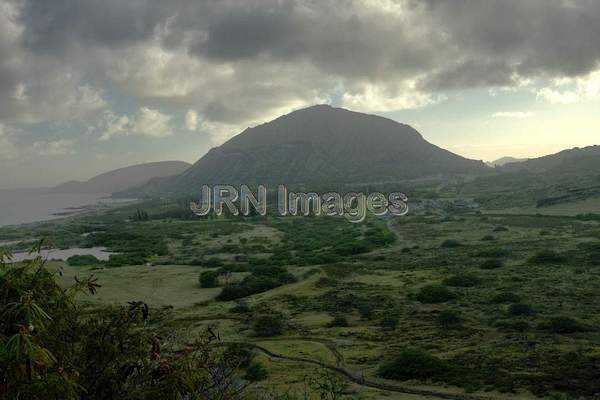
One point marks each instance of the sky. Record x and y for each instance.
(87, 86)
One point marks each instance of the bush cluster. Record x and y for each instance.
(435, 294)
(450, 243)
(521, 309)
(562, 325)
(269, 324)
(462, 280)
(88, 259)
(547, 257)
(413, 364)
(260, 280)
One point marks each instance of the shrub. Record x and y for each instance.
(231, 248)
(448, 317)
(562, 325)
(268, 325)
(249, 286)
(500, 229)
(88, 259)
(488, 238)
(241, 307)
(379, 237)
(491, 264)
(547, 257)
(212, 262)
(462, 280)
(209, 279)
(515, 326)
(325, 281)
(256, 372)
(140, 215)
(241, 352)
(349, 249)
(435, 294)
(338, 321)
(233, 267)
(263, 278)
(365, 311)
(286, 278)
(450, 243)
(520, 309)
(119, 260)
(389, 322)
(591, 252)
(496, 252)
(413, 364)
(53, 348)
(325, 384)
(506, 297)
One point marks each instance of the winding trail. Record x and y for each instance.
(359, 380)
(329, 344)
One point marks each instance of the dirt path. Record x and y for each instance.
(329, 344)
(359, 380)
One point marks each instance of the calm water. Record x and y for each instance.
(33, 205)
(99, 252)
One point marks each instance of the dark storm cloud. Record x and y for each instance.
(242, 33)
(531, 38)
(338, 37)
(301, 49)
(457, 43)
(52, 26)
(471, 73)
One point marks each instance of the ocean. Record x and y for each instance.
(23, 206)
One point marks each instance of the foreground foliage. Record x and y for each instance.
(51, 348)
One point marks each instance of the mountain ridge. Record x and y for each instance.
(319, 144)
(561, 162)
(123, 178)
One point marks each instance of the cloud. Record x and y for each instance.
(37, 87)
(570, 91)
(55, 148)
(557, 96)
(238, 63)
(374, 98)
(145, 122)
(109, 125)
(191, 120)
(151, 123)
(513, 114)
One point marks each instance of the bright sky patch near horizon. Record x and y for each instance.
(88, 86)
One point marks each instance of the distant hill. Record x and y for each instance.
(577, 160)
(569, 176)
(320, 144)
(505, 160)
(123, 178)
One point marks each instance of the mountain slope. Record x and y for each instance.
(320, 144)
(577, 160)
(123, 178)
(569, 176)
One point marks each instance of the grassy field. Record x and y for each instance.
(507, 305)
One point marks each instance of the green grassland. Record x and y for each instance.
(505, 304)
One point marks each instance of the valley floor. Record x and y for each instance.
(508, 304)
